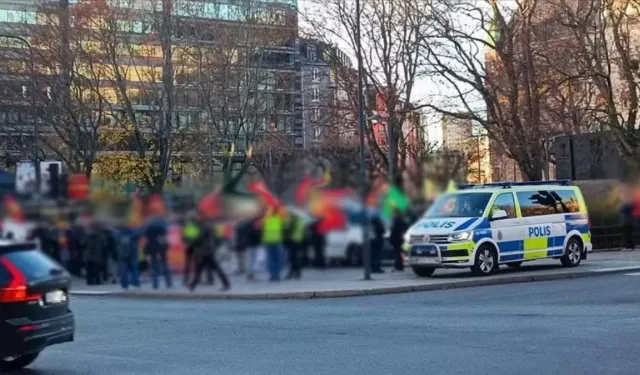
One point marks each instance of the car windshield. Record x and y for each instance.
(459, 205)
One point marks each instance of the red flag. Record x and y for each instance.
(332, 219)
(210, 205)
(307, 185)
(260, 188)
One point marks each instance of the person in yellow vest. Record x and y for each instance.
(295, 244)
(272, 240)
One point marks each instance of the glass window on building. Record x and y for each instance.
(316, 74)
(315, 95)
(315, 114)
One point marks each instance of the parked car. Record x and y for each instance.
(34, 304)
(345, 246)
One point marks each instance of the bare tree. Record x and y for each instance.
(278, 161)
(606, 33)
(500, 69)
(393, 43)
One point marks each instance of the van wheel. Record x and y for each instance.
(572, 254)
(514, 264)
(17, 363)
(486, 261)
(423, 271)
(354, 256)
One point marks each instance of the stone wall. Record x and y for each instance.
(595, 156)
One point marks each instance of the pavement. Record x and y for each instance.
(577, 326)
(348, 282)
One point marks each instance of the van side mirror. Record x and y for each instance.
(499, 215)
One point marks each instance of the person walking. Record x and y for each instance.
(272, 239)
(377, 242)
(398, 228)
(128, 269)
(318, 241)
(254, 243)
(156, 249)
(628, 225)
(295, 243)
(76, 243)
(95, 245)
(203, 250)
(190, 233)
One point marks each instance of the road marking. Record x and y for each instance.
(89, 293)
(630, 268)
(632, 274)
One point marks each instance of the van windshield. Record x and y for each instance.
(459, 205)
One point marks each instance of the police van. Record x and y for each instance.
(484, 226)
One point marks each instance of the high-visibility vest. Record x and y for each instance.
(272, 230)
(297, 235)
(191, 231)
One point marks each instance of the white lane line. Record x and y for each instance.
(632, 274)
(630, 268)
(89, 293)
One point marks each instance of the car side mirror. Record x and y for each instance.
(499, 215)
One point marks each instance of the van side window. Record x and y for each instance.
(505, 202)
(536, 203)
(567, 200)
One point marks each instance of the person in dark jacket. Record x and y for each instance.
(48, 242)
(398, 228)
(76, 237)
(94, 254)
(628, 225)
(204, 249)
(127, 254)
(109, 266)
(157, 249)
(254, 241)
(295, 243)
(377, 242)
(241, 245)
(318, 242)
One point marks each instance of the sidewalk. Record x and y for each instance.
(347, 282)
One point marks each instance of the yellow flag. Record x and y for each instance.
(429, 190)
(451, 187)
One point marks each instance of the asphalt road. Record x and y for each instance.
(582, 326)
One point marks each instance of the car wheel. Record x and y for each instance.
(18, 362)
(423, 271)
(486, 261)
(572, 254)
(514, 264)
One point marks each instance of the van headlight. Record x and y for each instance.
(461, 236)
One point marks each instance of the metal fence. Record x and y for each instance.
(609, 237)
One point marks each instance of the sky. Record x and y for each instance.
(426, 89)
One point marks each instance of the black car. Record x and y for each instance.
(34, 304)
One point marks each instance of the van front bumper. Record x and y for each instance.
(452, 255)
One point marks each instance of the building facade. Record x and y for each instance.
(202, 77)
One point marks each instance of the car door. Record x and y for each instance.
(507, 232)
(538, 208)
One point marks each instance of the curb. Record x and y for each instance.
(472, 282)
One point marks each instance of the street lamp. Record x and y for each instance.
(390, 151)
(33, 107)
(366, 248)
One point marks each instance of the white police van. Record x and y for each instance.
(484, 226)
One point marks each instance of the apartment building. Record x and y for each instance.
(230, 74)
